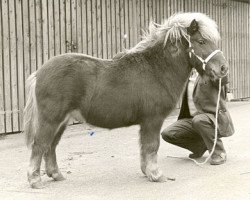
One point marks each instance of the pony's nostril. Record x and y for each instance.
(223, 69)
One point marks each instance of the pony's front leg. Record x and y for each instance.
(150, 142)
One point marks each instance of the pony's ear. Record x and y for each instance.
(193, 28)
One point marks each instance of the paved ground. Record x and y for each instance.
(106, 166)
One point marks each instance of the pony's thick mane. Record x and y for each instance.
(175, 27)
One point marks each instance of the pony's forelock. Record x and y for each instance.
(181, 21)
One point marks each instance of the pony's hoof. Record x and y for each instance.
(162, 179)
(37, 185)
(58, 177)
(156, 176)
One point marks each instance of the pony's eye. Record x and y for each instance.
(201, 42)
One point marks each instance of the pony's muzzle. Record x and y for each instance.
(219, 71)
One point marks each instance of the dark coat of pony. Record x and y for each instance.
(139, 86)
(112, 93)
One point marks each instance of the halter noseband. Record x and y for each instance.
(204, 62)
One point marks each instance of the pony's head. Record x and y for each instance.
(194, 34)
(200, 35)
(205, 54)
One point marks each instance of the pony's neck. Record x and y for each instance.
(169, 67)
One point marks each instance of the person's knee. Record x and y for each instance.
(167, 135)
(201, 121)
(196, 122)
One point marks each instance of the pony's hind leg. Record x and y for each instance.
(34, 177)
(42, 143)
(150, 141)
(51, 166)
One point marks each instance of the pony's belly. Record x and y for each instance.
(110, 124)
(99, 120)
(113, 118)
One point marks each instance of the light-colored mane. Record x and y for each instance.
(175, 27)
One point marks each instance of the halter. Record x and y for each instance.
(204, 62)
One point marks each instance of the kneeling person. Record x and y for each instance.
(195, 127)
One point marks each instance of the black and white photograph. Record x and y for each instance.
(125, 99)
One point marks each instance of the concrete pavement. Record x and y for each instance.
(105, 165)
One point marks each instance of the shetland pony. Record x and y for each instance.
(139, 86)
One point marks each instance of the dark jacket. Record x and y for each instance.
(205, 99)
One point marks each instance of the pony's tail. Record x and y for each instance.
(30, 119)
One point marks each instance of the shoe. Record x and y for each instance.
(197, 154)
(218, 159)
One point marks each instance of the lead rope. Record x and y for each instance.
(216, 129)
